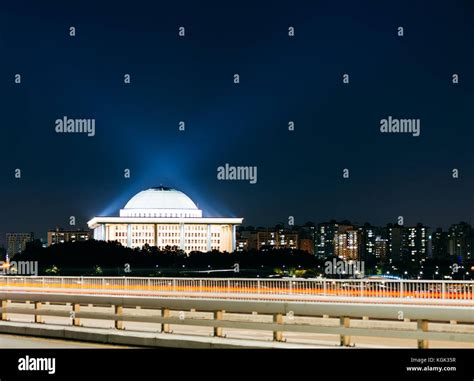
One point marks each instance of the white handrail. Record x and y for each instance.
(380, 288)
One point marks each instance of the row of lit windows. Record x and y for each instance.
(171, 241)
(142, 227)
(141, 234)
(195, 227)
(169, 234)
(174, 227)
(191, 248)
(149, 241)
(65, 235)
(202, 241)
(195, 234)
(175, 215)
(168, 227)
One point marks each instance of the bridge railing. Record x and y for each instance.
(345, 322)
(380, 288)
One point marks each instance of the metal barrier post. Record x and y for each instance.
(423, 326)
(75, 309)
(4, 310)
(278, 335)
(218, 315)
(119, 324)
(166, 313)
(38, 318)
(345, 323)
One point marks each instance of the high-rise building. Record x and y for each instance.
(460, 241)
(381, 248)
(61, 236)
(241, 240)
(347, 242)
(272, 238)
(439, 244)
(324, 238)
(396, 244)
(407, 244)
(16, 242)
(368, 238)
(276, 239)
(416, 240)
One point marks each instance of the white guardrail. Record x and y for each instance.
(249, 288)
(350, 321)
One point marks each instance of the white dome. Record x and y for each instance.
(160, 202)
(160, 198)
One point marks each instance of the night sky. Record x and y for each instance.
(282, 78)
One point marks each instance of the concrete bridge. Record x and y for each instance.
(209, 312)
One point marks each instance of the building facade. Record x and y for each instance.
(368, 236)
(165, 217)
(347, 242)
(439, 244)
(268, 239)
(16, 242)
(381, 249)
(61, 236)
(460, 241)
(409, 244)
(417, 243)
(324, 239)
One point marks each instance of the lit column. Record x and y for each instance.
(181, 235)
(208, 237)
(129, 235)
(100, 232)
(233, 238)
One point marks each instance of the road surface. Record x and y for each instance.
(18, 342)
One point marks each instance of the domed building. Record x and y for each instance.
(163, 217)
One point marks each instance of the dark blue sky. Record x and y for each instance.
(282, 79)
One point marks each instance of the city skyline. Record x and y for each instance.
(345, 239)
(306, 109)
(43, 235)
